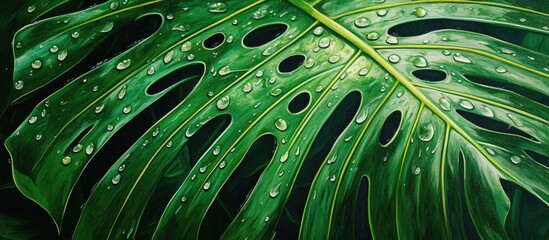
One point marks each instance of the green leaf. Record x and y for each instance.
(432, 103)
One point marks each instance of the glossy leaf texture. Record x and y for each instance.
(318, 119)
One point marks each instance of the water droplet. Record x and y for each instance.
(190, 57)
(267, 219)
(444, 103)
(515, 120)
(187, 46)
(333, 178)
(218, 7)
(372, 36)
(334, 59)
(515, 159)
(419, 61)
(108, 27)
(362, 22)
(460, 58)
(426, 132)
(417, 171)
(394, 58)
(31, 8)
(235, 22)
(222, 164)
(169, 144)
(99, 108)
(392, 40)
(230, 39)
(446, 52)
(319, 88)
(223, 103)
(75, 35)
(184, 199)
(19, 85)
(309, 63)
(168, 57)
(124, 64)
(466, 104)
(420, 12)
(216, 150)
(400, 93)
(284, 157)
(54, 49)
(203, 169)
(122, 167)
(224, 71)
(332, 159)
(501, 69)
(36, 64)
(274, 191)
(324, 42)
(122, 93)
(95, 88)
(486, 111)
(114, 5)
(381, 12)
(32, 119)
(116, 179)
(207, 185)
(169, 16)
(318, 31)
(275, 92)
(110, 127)
(490, 151)
(62, 55)
(90, 148)
(522, 19)
(259, 14)
(66, 160)
(38, 137)
(181, 27)
(281, 124)
(77, 148)
(127, 109)
(248, 87)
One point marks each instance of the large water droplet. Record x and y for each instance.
(224, 71)
(372, 36)
(466, 104)
(486, 111)
(515, 120)
(99, 108)
(66, 160)
(127, 109)
(381, 12)
(218, 7)
(122, 167)
(207, 185)
(54, 49)
(394, 58)
(444, 103)
(36, 64)
(501, 69)
(324, 42)
(515, 159)
(114, 5)
(62, 55)
(392, 40)
(122, 93)
(168, 57)
(116, 179)
(281, 124)
(362, 116)
(187, 46)
(259, 14)
(124, 64)
(31, 8)
(77, 148)
(419, 61)
(216, 150)
(417, 171)
(90, 148)
(460, 58)
(309, 63)
(274, 191)
(19, 85)
(275, 92)
(248, 87)
(334, 59)
(420, 12)
(362, 22)
(284, 157)
(32, 119)
(318, 31)
(223, 103)
(426, 132)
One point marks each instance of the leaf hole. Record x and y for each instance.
(291, 63)
(184, 74)
(238, 187)
(362, 222)
(493, 125)
(518, 89)
(214, 41)
(299, 102)
(390, 128)
(323, 142)
(538, 157)
(505, 33)
(430, 75)
(264, 34)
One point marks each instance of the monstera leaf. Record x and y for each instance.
(318, 119)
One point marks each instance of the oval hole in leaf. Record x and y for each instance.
(340, 118)
(299, 102)
(501, 32)
(214, 41)
(500, 84)
(540, 158)
(186, 73)
(493, 125)
(362, 222)
(291, 63)
(235, 191)
(430, 75)
(264, 34)
(188, 156)
(390, 128)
